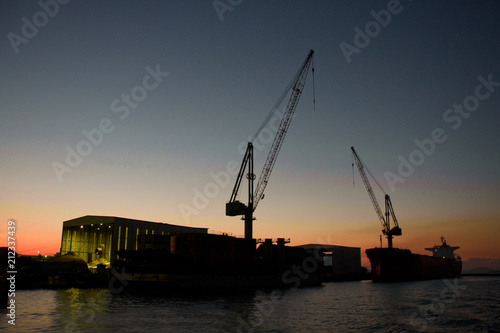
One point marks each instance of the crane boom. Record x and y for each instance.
(389, 211)
(297, 87)
(368, 187)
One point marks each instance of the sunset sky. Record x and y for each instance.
(159, 97)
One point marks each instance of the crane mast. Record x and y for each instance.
(389, 211)
(235, 207)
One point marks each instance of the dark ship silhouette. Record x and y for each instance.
(391, 264)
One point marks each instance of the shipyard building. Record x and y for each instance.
(339, 262)
(100, 237)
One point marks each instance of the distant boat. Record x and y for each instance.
(391, 264)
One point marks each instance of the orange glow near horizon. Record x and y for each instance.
(38, 236)
(343, 218)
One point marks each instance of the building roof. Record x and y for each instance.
(326, 247)
(89, 219)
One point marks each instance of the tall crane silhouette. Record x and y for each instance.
(389, 211)
(235, 207)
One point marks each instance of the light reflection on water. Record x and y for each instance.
(335, 307)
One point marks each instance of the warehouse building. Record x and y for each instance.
(339, 262)
(94, 237)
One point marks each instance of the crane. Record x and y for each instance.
(235, 207)
(389, 210)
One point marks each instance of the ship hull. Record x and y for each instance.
(207, 261)
(392, 265)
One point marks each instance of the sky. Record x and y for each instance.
(140, 109)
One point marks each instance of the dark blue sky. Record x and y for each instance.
(223, 79)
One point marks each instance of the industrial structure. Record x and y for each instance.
(389, 211)
(339, 262)
(191, 262)
(235, 207)
(94, 237)
(161, 255)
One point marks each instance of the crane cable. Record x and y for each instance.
(352, 165)
(314, 89)
(275, 107)
(371, 175)
(282, 97)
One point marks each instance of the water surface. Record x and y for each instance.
(468, 304)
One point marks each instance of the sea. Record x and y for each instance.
(463, 304)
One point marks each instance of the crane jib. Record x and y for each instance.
(297, 88)
(234, 207)
(389, 211)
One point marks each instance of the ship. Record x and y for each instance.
(212, 262)
(394, 265)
